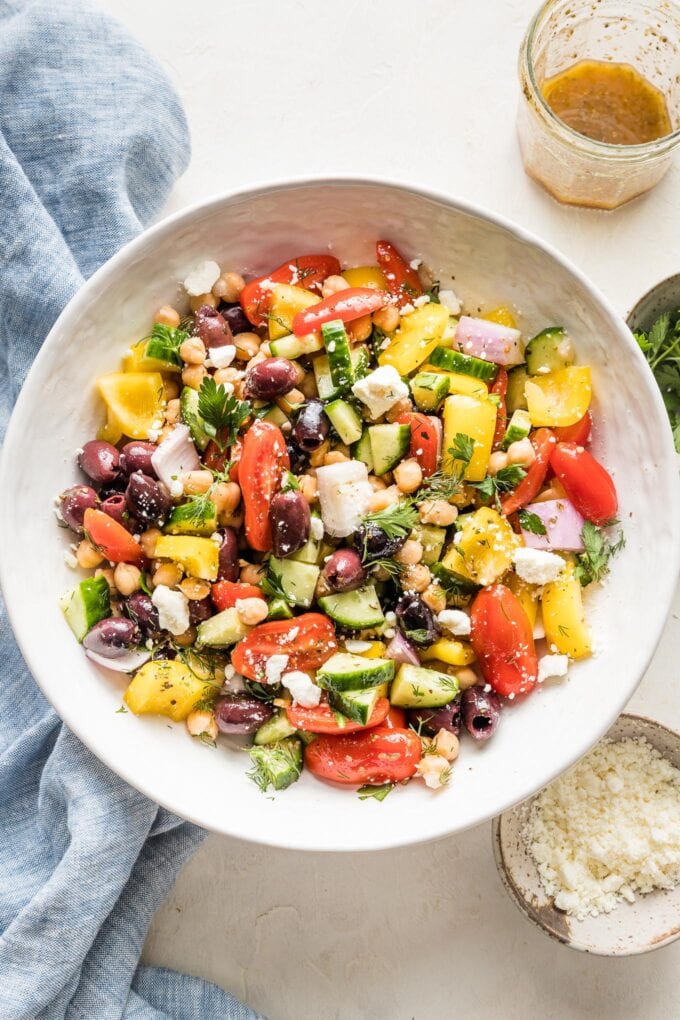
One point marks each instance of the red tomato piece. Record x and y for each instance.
(375, 756)
(226, 594)
(403, 282)
(347, 305)
(111, 538)
(217, 459)
(587, 483)
(424, 440)
(307, 640)
(306, 271)
(543, 442)
(500, 388)
(578, 433)
(395, 719)
(322, 719)
(263, 460)
(503, 641)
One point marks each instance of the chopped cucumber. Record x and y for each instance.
(362, 450)
(453, 582)
(277, 765)
(224, 629)
(432, 540)
(356, 705)
(360, 360)
(514, 398)
(419, 687)
(336, 343)
(549, 351)
(429, 389)
(456, 361)
(276, 728)
(347, 672)
(86, 605)
(188, 412)
(298, 580)
(389, 443)
(344, 420)
(518, 428)
(279, 610)
(162, 347)
(292, 347)
(276, 416)
(311, 550)
(193, 519)
(356, 610)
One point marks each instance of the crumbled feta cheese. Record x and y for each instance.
(301, 686)
(356, 647)
(173, 609)
(275, 666)
(69, 559)
(552, 666)
(536, 566)
(216, 538)
(153, 435)
(176, 488)
(389, 633)
(202, 279)
(415, 263)
(424, 299)
(455, 621)
(380, 390)
(222, 357)
(449, 300)
(390, 616)
(316, 529)
(407, 308)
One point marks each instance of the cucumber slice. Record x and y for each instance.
(356, 610)
(456, 361)
(432, 540)
(292, 347)
(276, 416)
(514, 398)
(389, 444)
(347, 672)
(336, 343)
(361, 364)
(279, 610)
(224, 629)
(344, 420)
(86, 605)
(362, 450)
(453, 582)
(518, 428)
(356, 705)
(185, 521)
(311, 550)
(549, 351)
(188, 412)
(276, 728)
(419, 687)
(429, 389)
(298, 580)
(277, 765)
(162, 346)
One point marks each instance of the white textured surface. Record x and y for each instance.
(425, 92)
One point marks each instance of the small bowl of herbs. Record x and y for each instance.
(655, 324)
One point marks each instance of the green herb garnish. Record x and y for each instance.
(661, 347)
(593, 563)
(532, 522)
(505, 480)
(283, 755)
(221, 412)
(272, 584)
(375, 792)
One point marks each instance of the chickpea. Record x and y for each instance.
(195, 588)
(202, 299)
(168, 574)
(202, 722)
(447, 744)
(227, 375)
(167, 316)
(383, 498)
(522, 452)
(316, 457)
(170, 388)
(195, 483)
(437, 511)
(290, 401)
(387, 318)
(87, 556)
(308, 488)
(228, 287)
(148, 541)
(402, 406)
(408, 475)
(433, 769)
(554, 491)
(107, 572)
(466, 677)
(435, 598)
(193, 376)
(323, 588)
(192, 351)
(376, 483)
(411, 552)
(251, 611)
(416, 577)
(497, 461)
(172, 411)
(232, 520)
(251, 573)
(226, 496)
(127, 578)
(187, 638)
(308, 386)
(335, 457)
(333, 285)
(360, 329)
(247, 345)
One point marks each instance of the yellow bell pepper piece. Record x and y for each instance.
(376, 651)
(198, 556)
(527, 595)
(559, 398)
(111, 431)
(459, 383)
(134, 401)
(503, 315)
(563, 620)
(166, 687)
(417, 336)
(365, 276)
(286, 301)
(136, 361)
(474, 417)
(453, 653)
(483, 553)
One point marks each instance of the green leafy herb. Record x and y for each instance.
(167, 341)
(199, 509)
(221, 412)
(433, 293)
(264, 692)
(375, 792)
(419, 635)
(505, 480)
(593, 563)
(272, 584)
(532, 522)
(121, 711)
(290, 482)
(397, 520)
(661, 347)
(144, 583)
(283, 756)
(439, 486)
(463, 448)
(389, 566)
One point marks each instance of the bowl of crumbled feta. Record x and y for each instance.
(594, 858)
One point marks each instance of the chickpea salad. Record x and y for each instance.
(332, 510)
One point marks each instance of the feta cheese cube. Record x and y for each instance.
(202, 279)
(552, 666)
(449, 300)
(173, 609)
(536, 566)
(455, 621)
(275, 666)
(301, 686)
(380, 390)
(222, 357)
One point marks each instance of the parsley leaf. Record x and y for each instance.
(463, 448)
(661, 347)
(504, 481)
(272, 585)
(532, 522)
(375, 792)
(397, 520)
(290, 482)
(221, 412)
(593, 564)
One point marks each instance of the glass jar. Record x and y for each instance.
(576, 169)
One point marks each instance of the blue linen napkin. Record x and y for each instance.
(92, 137)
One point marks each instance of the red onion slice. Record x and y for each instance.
(128, 662)
(489, 341)
(563, 524)
(402, 650)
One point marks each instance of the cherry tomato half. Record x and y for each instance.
(543, 442)
(347, 305)
(111, 538)
(403, 281)
(395, 719)
(226, 594)
(307, 640)
(578, 433)
(322, 719)
(588, 485)
(424, 440)
(375, 756)
(503, 641)
(304, 271)
(263, 460)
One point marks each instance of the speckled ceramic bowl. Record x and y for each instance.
(487, 260)
(648, 923)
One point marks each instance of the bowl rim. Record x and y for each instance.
(61, 702)
(534, 915)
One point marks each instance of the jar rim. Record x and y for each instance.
(595, 148)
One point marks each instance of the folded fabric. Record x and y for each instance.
(92, 137)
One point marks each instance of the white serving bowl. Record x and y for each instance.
(488, 261)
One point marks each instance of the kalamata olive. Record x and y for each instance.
(116, 506)
(99, 461)
(270, 378)
(228, 568)
(312, 426)
(74, 502)
(164, 652)
(141, 609)
(240, 713)
(290, 521)
(343, 570)
(299, 459)
(236, 318)
(481, 711)
(136, 456)
(147, 499)
(416, 620)
(374, 543)
(200, 609)
(112, 637)
(212, 327)
(432, 720)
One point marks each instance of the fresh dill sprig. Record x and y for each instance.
(397, 520)
(272, 584)
(276, 765)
